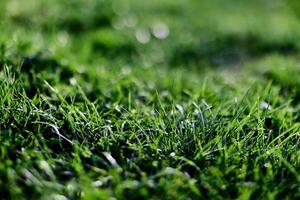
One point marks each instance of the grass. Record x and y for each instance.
(149, 100)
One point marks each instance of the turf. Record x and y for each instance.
(149, 99)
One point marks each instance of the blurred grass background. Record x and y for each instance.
(172, 33)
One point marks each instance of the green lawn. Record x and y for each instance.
(161, 99)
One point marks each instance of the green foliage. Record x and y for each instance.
(153, 99)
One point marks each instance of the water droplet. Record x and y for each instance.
(172, 154)
(73, 81)
(160, 30)
(142, 35)
(130, 21)
(265, 105)
(117, 23)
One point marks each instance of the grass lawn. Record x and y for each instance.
(129, 99)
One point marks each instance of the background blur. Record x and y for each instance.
(171, 33)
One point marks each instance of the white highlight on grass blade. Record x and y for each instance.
(142, 35)
(97, 183)
(265, 105)
(58, 197)
(51, 88)
(111, 160)
(31, 178)
(47, 169)
(55, 129)
(123, 126)
(180, 108)
(170, 171)
(160, 30)
(248, 184)
(58, 133)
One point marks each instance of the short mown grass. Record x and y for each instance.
(149, 100)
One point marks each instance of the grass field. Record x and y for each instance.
(129, 99)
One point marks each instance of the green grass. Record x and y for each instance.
(149, 100)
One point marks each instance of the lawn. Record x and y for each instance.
(160, 99)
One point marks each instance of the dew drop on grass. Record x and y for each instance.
(172, 154)
(160, 30)
(142, 35)
(265, 105)
(73, 81)
(130, 21)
